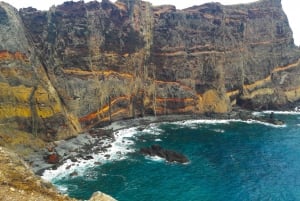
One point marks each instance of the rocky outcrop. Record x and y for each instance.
(83, 64)
(17, 182)
(168, 155)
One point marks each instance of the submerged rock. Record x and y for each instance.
(88, 157)
(169, 155)
(74, 174)
(273, 121)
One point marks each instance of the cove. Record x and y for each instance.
(229, 160)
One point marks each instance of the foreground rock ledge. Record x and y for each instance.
(18, 182)
(99, 196)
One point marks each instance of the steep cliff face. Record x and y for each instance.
(92, 53)
(80, 64)
(240, 52)
(26, 93)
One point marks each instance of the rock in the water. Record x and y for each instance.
(88, 157)
(169, 155)
(52, 158)
(276, 122)
(270, 120)
(74, 174)
(73, 159)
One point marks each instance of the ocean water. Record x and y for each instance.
(230, 160)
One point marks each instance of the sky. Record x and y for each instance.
(290, 7)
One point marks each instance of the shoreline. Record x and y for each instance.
(97, 141)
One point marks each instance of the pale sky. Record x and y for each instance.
(291, 7)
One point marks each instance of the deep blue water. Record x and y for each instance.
(235, 161)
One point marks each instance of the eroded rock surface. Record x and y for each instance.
(84, 64)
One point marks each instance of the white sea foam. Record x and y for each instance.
(155, 158)
(204, 121)
(159, 159)
(294, 112)
(251, 121)
(194, 127)
(196, 124)
(258, 114)
(122, 146)
(153, 129)
(117, 150)
(63, 189)
(219, 130)
(223, 121)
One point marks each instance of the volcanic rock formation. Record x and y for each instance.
(80, 64)
(168, 155)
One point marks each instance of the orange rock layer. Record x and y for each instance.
(6, 55)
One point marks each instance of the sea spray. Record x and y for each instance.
(122, 145)
(117, 150)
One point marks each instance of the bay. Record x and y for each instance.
(229, 160)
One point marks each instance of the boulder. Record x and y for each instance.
(99, 196)
(74, 174)
(168, 155)
(52, 158)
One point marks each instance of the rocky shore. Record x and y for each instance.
(83, 148)
(95, 141)
(98, 140)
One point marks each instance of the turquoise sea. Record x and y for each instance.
(230, 160)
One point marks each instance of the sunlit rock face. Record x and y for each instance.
(81, 64)
(27, 95)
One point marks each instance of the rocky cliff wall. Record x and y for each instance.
(27, 95)
(80, 64)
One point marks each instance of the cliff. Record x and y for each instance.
(80, 64)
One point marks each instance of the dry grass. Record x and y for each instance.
(17, 182)
(20, 142)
